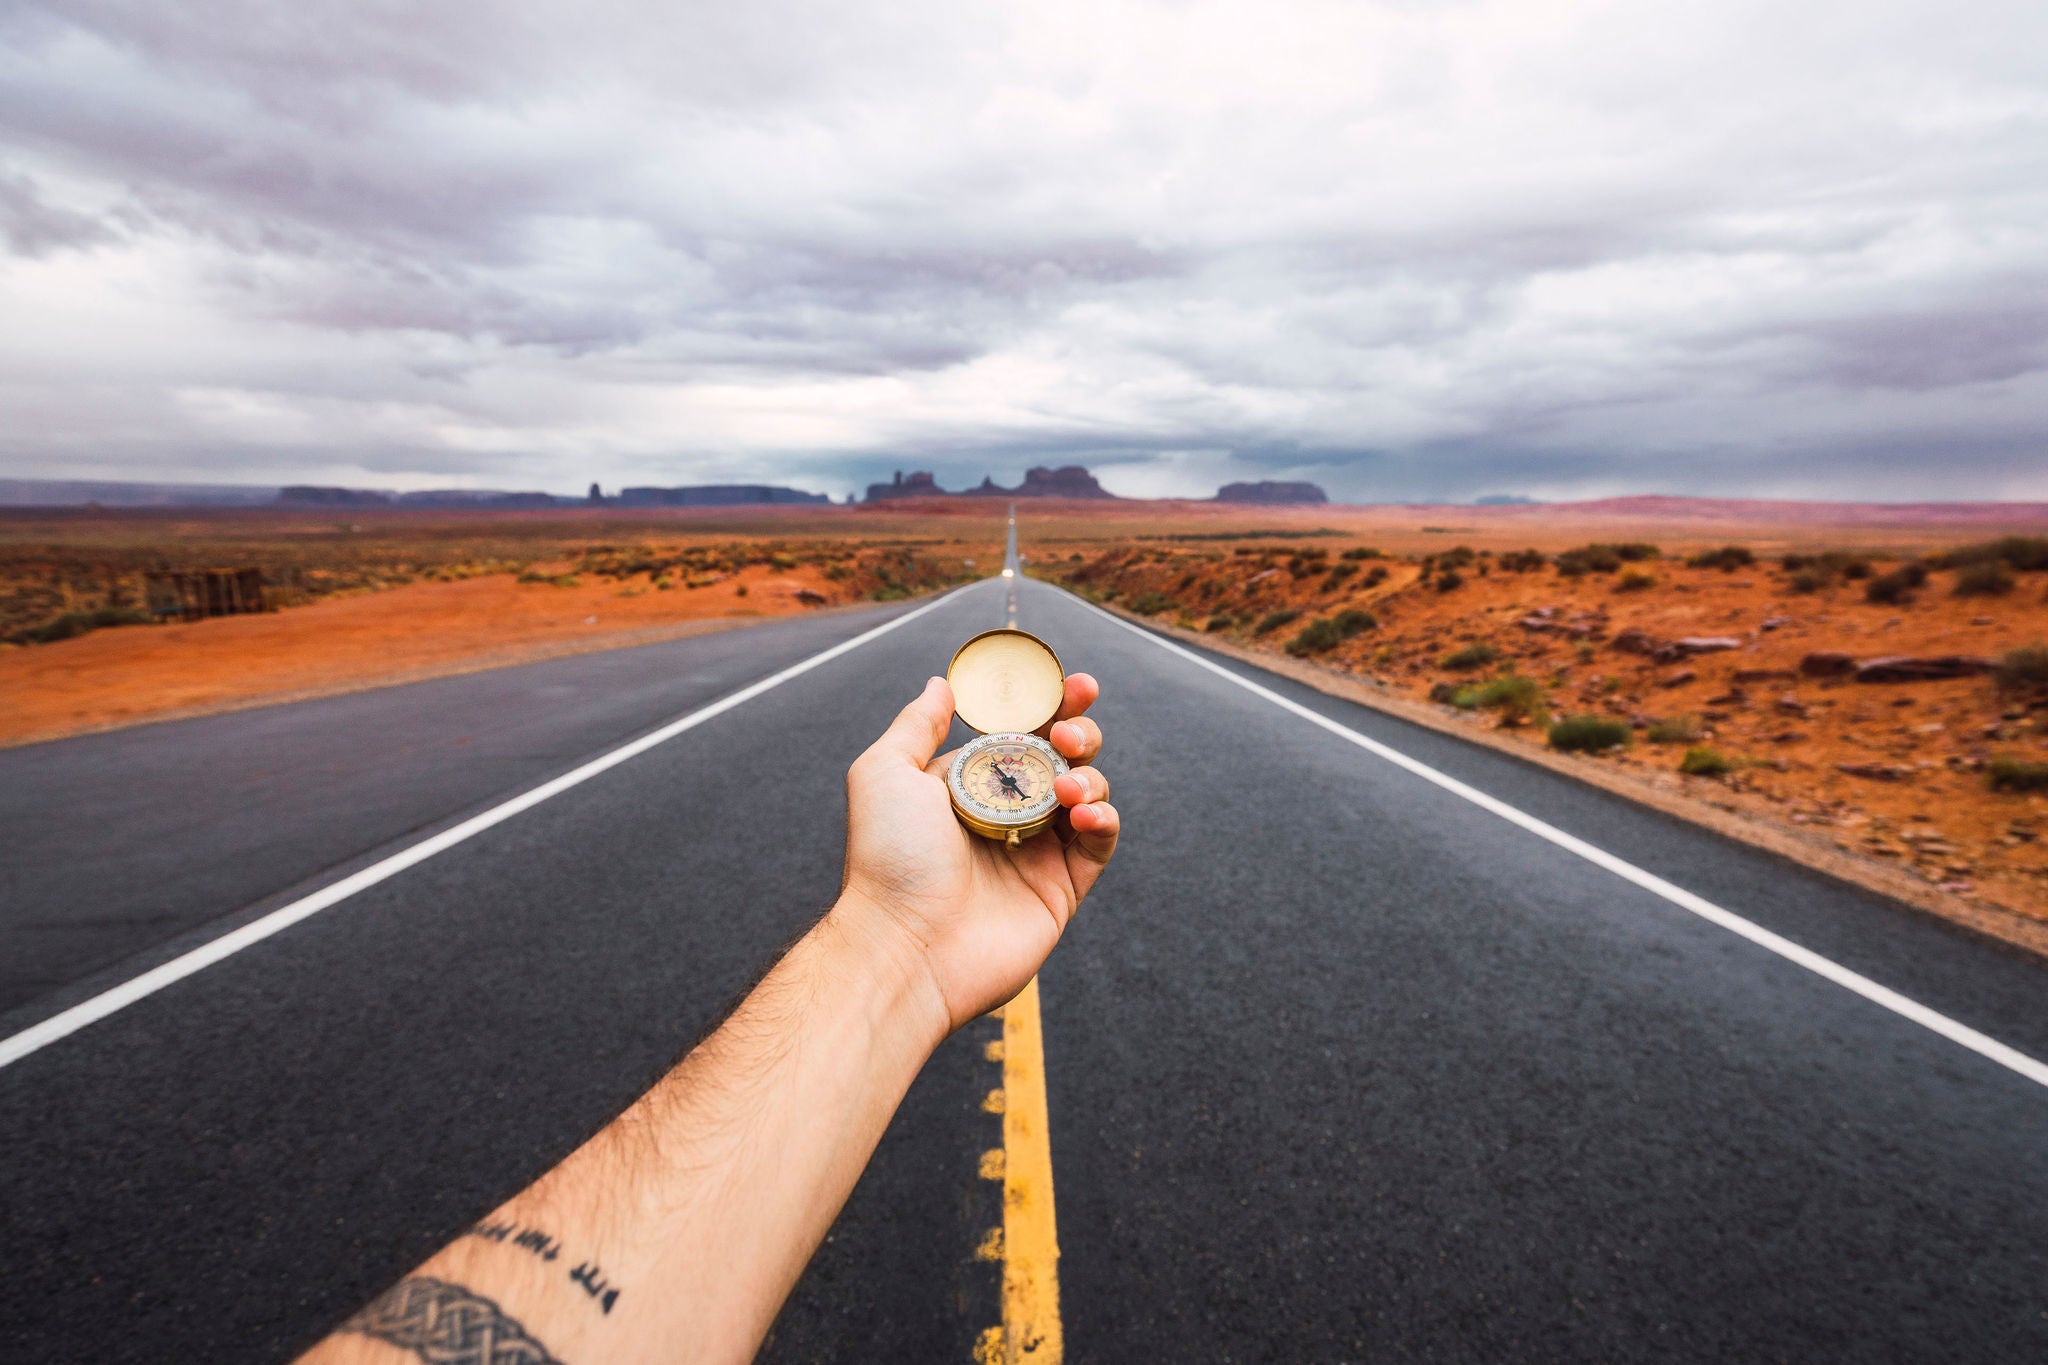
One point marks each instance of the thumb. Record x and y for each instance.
(920, 728)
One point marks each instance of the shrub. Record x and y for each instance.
(2010, 774)
(2024, 670)
(1273, 620)
(2023, 553)
(1523, 561)
(1587, 559)
(1216, 623)
(1588, 734)
(1357, 552)
(1809, 580)
(1632, 581)
(1985, 578)
(1704, 762)
(1340, 572)
(1727, 559)
(1675, 730)
(1477, 655)
(1316, 637)
(1449, 579)
(1446, 692)
(1457, 557)
(1897, 587)
(1352, 621)
(1150, 603)
(1516, 698)
(75, 623)
(1376, 575)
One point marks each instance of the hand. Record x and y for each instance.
(974, 915)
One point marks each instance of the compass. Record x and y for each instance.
(1006, 683)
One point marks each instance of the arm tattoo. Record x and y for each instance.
(445, 1324)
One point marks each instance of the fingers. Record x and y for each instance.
(1095, 826)
(919, 728)
(1079, 786)
(1082, 690)
(1078, 740)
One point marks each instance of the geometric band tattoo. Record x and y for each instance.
(445, 1324)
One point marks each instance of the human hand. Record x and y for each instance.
(975, 915)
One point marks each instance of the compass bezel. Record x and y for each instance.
(988, 820)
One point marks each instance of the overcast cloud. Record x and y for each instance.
(1408, 250)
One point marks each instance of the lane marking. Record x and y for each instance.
(1031, 1253)
(1932, 1020)
(38, 1036)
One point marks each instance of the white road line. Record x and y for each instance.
(1933, 1020)
(41, 1035)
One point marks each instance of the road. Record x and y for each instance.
(1341, 1063)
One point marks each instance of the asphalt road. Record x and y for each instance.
(1340, 1066)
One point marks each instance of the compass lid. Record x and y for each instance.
(1006, 680)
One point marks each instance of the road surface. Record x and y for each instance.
(1341, 1063)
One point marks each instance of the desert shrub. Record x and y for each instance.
(1318, 636)
(1449, 580)
(1809, 580)
(1635, 581)
(1358, 552)
(1517, 699)
(1523, 561)
(1588, 734)
(1704, 762)
(1457, 557)
(1151, 603)
(1674, 730)
(1340, 572)
(1376, 575)
(1353, 621)
(531, 576)
(1603, 558)
(2010, 774)
(1273, 620)
(1727, 559)
(75, 623)
(2023, 670)
(1985, 578)
(1446, 692)
(1216, 623)
(1828, 565)
(2023, 553)
(1897, 587)
(1476, 655)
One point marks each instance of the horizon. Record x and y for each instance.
(1411, 255)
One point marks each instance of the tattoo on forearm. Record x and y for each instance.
(445, 1324)
(588, 1275)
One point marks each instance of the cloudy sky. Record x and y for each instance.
(1409, 250)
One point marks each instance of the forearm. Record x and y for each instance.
(676, 1232)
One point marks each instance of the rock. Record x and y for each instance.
(1983, 620)
(1827, 664)
(1634, 641)
(1537, 621)
(1879, 772)
(1756, 675)
(1906, 668)
(1690, 645)
(1734, 696)
(1790, 704)
(1789, 737)
(1774, 622)
(1678, 677)
(810, 597)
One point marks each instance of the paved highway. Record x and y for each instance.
(1342, 1061)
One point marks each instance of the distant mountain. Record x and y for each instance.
(107, 493)
(1068, 481)
(1506, 500)
(1269, 493)
(716, 495)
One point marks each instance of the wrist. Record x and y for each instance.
(891, 965)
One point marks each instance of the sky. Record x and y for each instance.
(1410, 251)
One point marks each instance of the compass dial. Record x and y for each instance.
(1004, 781)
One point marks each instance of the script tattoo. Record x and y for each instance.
(445, 1324)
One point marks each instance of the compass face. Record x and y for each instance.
(1006, 780)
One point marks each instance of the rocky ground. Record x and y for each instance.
(1895, 707)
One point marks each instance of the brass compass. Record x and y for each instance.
(1006, 683)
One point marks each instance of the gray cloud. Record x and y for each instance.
(1409, 251)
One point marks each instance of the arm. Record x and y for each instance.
(677, 1231)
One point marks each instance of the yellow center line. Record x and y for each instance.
(1030, 1244)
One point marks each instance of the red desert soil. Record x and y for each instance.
(1891, 773)
(119, 677)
